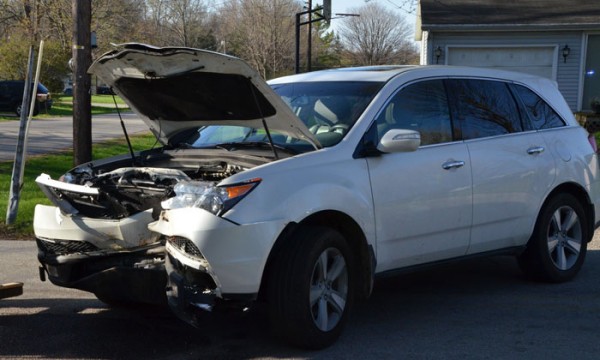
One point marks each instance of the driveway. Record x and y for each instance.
(55, 134)
(479, 309)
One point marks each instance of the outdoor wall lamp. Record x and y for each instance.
(565, 52)
(437, 52)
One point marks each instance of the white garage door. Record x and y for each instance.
(532, 60)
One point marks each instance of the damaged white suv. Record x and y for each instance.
(300, 192)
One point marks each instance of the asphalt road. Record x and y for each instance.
(55, 134)
(480, 309)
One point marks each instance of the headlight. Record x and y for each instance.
(207, 196)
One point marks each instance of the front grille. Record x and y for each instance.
(185, 245)
(65, 247)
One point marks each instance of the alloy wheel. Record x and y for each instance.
(328, 289)
(565, 237)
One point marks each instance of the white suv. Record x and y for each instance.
(301, 191)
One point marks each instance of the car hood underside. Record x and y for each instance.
(177, 88)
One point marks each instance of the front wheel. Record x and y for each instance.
(18, 109)
(311, 288)
(557, 248)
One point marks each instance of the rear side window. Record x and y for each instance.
(483, 108)
(422, 107)
(541, 115)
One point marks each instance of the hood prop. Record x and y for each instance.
(133, 162)
(264, 122)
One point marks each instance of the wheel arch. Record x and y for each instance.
(350, 230)
(582, 196)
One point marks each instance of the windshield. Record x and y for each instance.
(328, 109)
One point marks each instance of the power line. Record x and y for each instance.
(407, 3)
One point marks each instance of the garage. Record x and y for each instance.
(536, 60)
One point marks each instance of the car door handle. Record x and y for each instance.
(453, 164)
(535, 150)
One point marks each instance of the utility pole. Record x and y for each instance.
(321, 13)
(82, 100)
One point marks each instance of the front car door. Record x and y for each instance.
(422, 199)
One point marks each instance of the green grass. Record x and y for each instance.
(96, 99)
(63, 106)
(55, 165)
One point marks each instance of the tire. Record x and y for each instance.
(36, 110)
(557, 248)
(311, 288)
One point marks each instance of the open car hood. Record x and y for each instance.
(176, 88)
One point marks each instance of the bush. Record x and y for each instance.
(13, 62)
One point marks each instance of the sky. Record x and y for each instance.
(399, 6)
(341, 6)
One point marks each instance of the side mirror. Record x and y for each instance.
(399, 140)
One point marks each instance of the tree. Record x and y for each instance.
(327, 48)
(260, 32)
(177, 23)
(189, 24)
(378, 36)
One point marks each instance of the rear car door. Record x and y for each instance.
(511, 165)
(422, 199)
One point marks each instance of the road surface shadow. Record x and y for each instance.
(443, 312)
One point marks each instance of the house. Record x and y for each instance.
(557, 39)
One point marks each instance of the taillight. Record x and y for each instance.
(592, 140)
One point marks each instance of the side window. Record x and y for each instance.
(422, 107)
(542, 116)
(484, 108)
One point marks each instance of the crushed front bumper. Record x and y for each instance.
(212, 262)
(117, 259)
(127, 276)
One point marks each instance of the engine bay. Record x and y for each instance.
(109, 191)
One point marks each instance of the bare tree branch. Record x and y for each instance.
(377, 37)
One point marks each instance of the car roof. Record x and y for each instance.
(380, 73)
(544, 87)
(384, 73)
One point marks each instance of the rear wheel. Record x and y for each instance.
(557, 248)
(311, 288)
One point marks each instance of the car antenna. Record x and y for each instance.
(263, 121)
(124, 129)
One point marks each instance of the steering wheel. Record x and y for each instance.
(321, 120)
(340, 128)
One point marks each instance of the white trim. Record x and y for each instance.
(582, 59)
(582, 66)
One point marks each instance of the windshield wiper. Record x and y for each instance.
(232, 146)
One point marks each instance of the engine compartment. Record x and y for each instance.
(114, 191)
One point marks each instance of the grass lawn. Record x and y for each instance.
(63, 106)
(55, 165)
(96, 99)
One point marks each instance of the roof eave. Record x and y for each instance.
(509, 27)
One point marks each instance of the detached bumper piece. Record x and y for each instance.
(125, 276)
(191, 290)
(188, 291)
(10, 290)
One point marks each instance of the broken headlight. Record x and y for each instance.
(207, 196)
